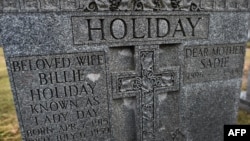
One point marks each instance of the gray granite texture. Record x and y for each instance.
(112, 70)
(124, 5)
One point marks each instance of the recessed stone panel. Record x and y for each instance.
(211, 63)
(63, 96)
(138, 28)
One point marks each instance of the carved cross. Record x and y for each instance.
(145, 84)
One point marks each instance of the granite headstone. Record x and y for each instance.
(124, 70)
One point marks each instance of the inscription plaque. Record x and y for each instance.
(209, 63)
(62, 97)
(141, 27)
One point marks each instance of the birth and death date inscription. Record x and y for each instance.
(62, 97)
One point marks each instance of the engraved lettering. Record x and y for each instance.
(67, 127)
(54, 106)
(211, 63)
(61, 77)
(159, 28)
(215, 62)
(89, 60)
(123, 28)
(196, 52)
(134, 30)
(40, 131)
(149, 28)
(120, 24)
(86, 114)
(16, 66)
(90, 29)
(40, 64)
(179, 28)
(62, 92)
(193, 25)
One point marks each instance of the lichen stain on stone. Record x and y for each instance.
(162, 97)
(129, 103)
(93, 77)
(162, 128)
(125, 52)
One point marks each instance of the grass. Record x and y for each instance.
(246, 68)
(243, 117)
(9, 130)
(248, 44)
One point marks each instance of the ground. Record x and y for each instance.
(9, 130)
(246, 68)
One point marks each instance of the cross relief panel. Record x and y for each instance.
(145, 84)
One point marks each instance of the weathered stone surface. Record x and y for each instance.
(217, 62)
(125, 5)
(109, 71)
(63, 95)
(139, 27)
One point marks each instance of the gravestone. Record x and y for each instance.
(124, 70)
